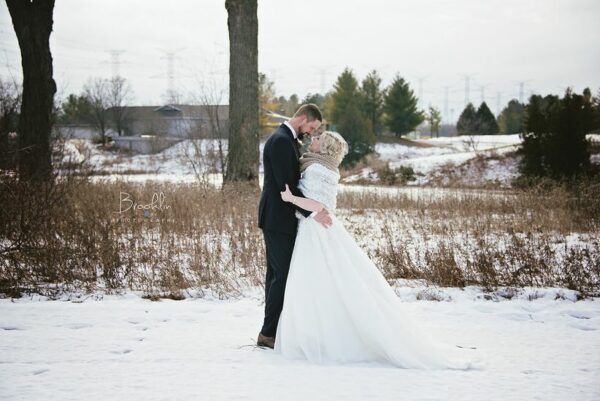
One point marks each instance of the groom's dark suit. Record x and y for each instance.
(277, 218)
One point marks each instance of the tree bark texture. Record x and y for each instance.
(243, 155)
(32, 21)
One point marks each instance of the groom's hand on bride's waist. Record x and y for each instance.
(322, 217)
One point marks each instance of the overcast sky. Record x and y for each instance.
(304, 45)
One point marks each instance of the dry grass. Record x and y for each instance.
(70, 236)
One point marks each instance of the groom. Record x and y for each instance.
(277, 218)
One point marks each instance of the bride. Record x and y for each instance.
(338, 307)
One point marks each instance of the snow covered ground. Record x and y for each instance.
(539, 345)
(473, 160)
(446, 153)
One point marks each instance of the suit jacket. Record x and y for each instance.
(280, 164)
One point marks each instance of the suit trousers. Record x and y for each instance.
(279, 248)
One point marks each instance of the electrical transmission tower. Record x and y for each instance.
(172, 95)
(115, 62)
(522, 89)
(467, 87)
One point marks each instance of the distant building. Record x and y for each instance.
(81, 131)
(180, 121)
(150, 129)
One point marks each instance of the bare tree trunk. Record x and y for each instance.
(32, 21)
(119, 94)
(97, 92)
(242, 158)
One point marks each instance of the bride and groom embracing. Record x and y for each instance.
(338, 307)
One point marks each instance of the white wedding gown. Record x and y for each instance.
(338, 307)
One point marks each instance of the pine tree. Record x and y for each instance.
(348, 117)
(485, 122)
(400, 108)
(510, 120)
(288, 107)
(373, 100)
(345, 95)
(466, 124)
(554, 142)
(76, 109)
(315, 98)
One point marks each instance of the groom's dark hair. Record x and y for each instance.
(311, 111)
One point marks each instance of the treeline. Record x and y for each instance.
(481, 121)
(553, 130)
(554, 135)
(360, 111)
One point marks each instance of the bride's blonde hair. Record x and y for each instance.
(333, 144)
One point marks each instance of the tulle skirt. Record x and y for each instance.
(338, 308)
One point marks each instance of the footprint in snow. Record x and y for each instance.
(78, 326)
(39, 371)
(579, 315)
(122, 352)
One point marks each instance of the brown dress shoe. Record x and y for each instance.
(264, 341)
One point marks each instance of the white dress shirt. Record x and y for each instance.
(291, 128)
(296, 137)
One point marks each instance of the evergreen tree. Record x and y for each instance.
(466, 124)
(328, 105)
(348, 117)
(372, 95)
(510, 120)
(76, 110)
(400, 108)
(314, 98)
(288, 107)
(485, 122)
(554, 142)
(345, 95)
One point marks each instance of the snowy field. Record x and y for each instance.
(539, 345)
(535, 343)
(432, 160)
